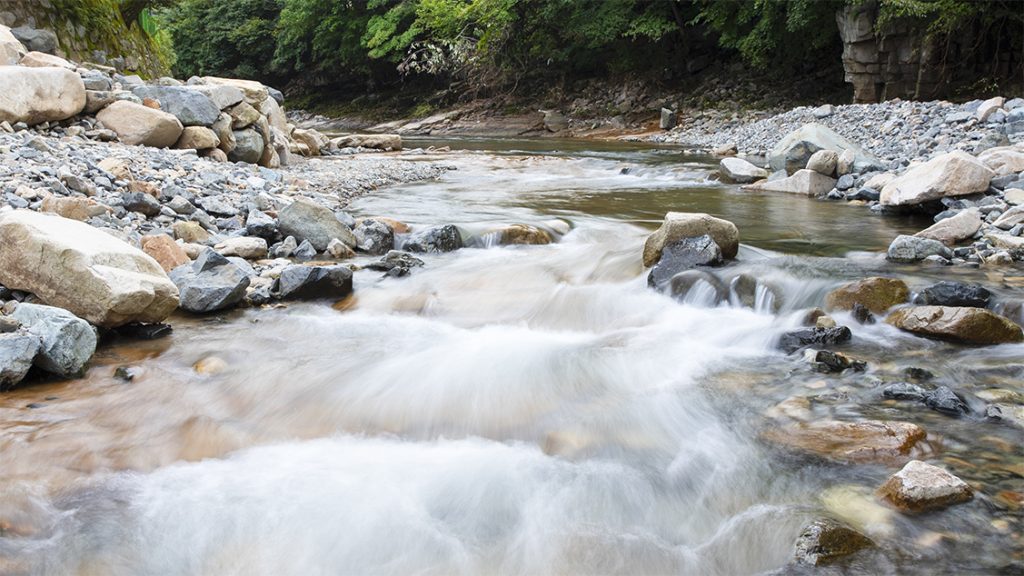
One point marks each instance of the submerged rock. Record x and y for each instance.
(944, 400)
(867, 441)
(825, 541)
(954, 294)
(680, 225)
(314, 282)
(750, 292)
(920, 487)
(968, 325)
(396, 263)
(683, 255)
(67, 341)
(792, 341)
(825, 361)
(876, 294)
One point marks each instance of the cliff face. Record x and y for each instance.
(91, 31)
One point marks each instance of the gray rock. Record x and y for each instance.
(792, 341)
(285, 248)
(17, 351)
(374, 237)
(142, 203)
(740, 171)
(668, 119)
(445, 238)
(248, 146)
(954, 294)
(210, 283)
(36, 40)
(825, 541)
(67, 341)
(314, 282)
(304, 251)
(913, 249)
(307, 220)
(845, 182)
(260, 224)
(793, 151)
(216, 206)
(698, 287)
(190, 107)
(683, 255)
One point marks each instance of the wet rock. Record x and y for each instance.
(805, 182)
(867, 441)
(792, 341)
(396, 263)
(683, 255)
(37, 95)
(1011, 414)
(145, 331)
(139, 125)
(833, 362)
(904, 391)
(210, 283)
(968, 325)
(306, 220)
(954, 294)
(955, 229)
(861, 314)
(825, 541)
(876, 294)
(919, 374)
(951, 174)
(518, 235)
(944, 400)
(314, 282)
(438, 239)
(740, 171)
(698, 287)
(84, 270)
(374, 237)
(913, 249)
(680, 225)
(920, 487)
(67, 341)
(17, 351)
(750, 292)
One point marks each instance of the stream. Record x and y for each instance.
(517, 409)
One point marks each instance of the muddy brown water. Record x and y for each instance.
(515, 410)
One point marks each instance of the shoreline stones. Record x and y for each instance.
(140, 125)
(210, 283)
(967, 325)
(66, 341)
(680, 225)
(949, 175)
(307, 220)
(921, 487)
(37, 95)
(71, 265)
(17, 352)
(313, 282)
(740, 171)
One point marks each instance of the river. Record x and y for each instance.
(514, 410)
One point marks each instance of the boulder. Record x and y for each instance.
(876, 294)
(844, 164)
(223, 96)
(511, 235)
(951, 174)
(989, 107)
(679, 225)
(197, 138)
(276, 117)
(17, 351)
(44, 60)
(740, 171)
(824, 162)
(913, 249)
(314, 282)
(698, 287)
(750, 292)
(36, 95)
(374, 237)
(315, 142)
(82, 269)
(11, 49)
(337, 249)
(243, 115)
(372, 141)
(253, 91)
(806, 182)
(190, 107)
(920, 487)
(818, 336)
(307, 220)
(248, 146)
(865, 441)
(165, 251)
(438, 239)
(248, 247)
(824, 541)
(555, 121)
(667, 121)
(210, 283)
(967, 325)
(222, 128)
(138, 124)
(37, 40)
(66, 341)
(954, 229)
(793, 151)
(683, 255)
(1010, 218)
(954, 294)
(1004, 160)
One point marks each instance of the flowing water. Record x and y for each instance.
(514, 410)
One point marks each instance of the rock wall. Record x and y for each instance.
(89, 31)
(901, 61)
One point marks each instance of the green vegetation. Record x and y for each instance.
(479, 46)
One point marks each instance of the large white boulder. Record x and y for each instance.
(137, 124)
(955, 228)
(35, 95)
(44, 60)
(951, 174)
(740, 171)
(253, 91)
(82, 269)
(797, 147)
(11, 49)
(1004, 160)
(680, 225)
(806, 182)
